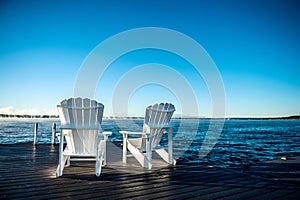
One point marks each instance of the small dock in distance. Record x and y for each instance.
(28, 171)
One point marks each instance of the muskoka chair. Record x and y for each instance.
(157, 118)
(81, 128)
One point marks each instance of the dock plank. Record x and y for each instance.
(29, 172)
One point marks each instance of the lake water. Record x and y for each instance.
(241, 141)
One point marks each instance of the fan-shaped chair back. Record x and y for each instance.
(157, 116)
(83, 117)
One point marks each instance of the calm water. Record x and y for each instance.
(241, 141)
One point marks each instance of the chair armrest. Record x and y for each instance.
(108, 133)
(104, 134)
(125, 133)
(132, 133)
(73, 127)
(164, 126)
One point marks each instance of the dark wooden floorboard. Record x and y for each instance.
(253, 192)
(29, 172)
(293, 195)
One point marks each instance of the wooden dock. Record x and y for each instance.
(28, 171)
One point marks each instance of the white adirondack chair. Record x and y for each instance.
(81, 127)
(157, 118)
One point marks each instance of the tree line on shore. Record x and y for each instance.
(27, 116)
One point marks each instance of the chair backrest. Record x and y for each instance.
(83, 117)
(80, 112)
(158, 116)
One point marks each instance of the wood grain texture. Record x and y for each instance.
(28, 171)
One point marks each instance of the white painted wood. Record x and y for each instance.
(124, 159)
(170, 147)
(157, 119)
(81, 127)
(140, 157)
(163, 154)
(148, 158)
(167, 156)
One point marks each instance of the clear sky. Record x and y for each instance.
(254, 43)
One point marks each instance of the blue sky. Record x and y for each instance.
(254, 44)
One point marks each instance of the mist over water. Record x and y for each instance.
(242, 142)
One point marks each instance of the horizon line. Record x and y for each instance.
(45, 116)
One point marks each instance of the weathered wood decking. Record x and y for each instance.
(29, 172)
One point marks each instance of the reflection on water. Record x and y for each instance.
(242, 142)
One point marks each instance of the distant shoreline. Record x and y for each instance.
(27, 116)
(294, 117)
(12, 116)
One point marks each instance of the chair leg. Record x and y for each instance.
(60, 167)
(143, 159)
(99, 161)
(124, 148)
(167, 156)
(170, 146)
(58, 171)
(98, 149)
(68, 161)
(148, 163)
(104, 149)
